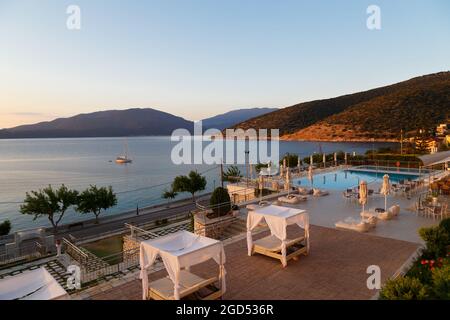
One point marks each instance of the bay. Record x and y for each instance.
(31, 164)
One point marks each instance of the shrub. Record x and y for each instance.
(220, 202)
(441, 282)
(5, 228)
(436, 239)
(291, 160)
(404, 288)
(420, 271)
(445, 224)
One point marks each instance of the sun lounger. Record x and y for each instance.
(304, 191)
(394, 210)
(255, 206)
(271, 246)
(291, 199)
(386, 215)
(354, 225)
(320, 193)
(301, 197)
(162, 289)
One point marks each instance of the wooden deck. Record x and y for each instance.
(334, 269)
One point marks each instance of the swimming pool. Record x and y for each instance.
(344, 179)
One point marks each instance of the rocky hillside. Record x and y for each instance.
(112, 123)
(377, 114)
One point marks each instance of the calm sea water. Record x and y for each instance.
(31, 164)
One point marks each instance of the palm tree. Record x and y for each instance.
(169, 195)
(232, 174)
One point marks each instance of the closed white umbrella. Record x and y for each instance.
(310, 175)
(324, 159)
(261, 186)
(385, 189)
(335, 159)
(311, 161)
(287, 181)
(298, 163)
(363, 193)
(345, 158)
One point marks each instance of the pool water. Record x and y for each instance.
(345, 179)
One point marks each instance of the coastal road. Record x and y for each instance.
(117, 223)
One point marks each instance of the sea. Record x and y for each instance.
(32, 164)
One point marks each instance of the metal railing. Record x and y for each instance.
(140, 233)
(74, 252)
(19, 254)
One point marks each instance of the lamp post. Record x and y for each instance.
(247, 152)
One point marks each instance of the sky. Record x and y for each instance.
(199, 58)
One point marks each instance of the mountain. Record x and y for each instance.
(113, 123)
(226, 120)
(379, 114)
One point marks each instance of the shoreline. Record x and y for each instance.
(117, 221)
(282, 138)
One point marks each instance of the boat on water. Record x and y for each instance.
(122, 159)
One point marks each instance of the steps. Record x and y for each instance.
(238, 226)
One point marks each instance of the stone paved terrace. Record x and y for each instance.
(335, 269)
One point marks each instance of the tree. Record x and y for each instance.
(232, 174)
(291, 160)
(49, 202)
(5, 228)
(192, 183)
(95, 200)
(220, 202)
(169, 195)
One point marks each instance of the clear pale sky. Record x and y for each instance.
(199, 58)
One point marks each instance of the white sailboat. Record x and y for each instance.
(122, 159)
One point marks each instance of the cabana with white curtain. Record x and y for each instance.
(32, 285)
(179, 251)
(277, 245)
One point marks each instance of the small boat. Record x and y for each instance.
(122, 159)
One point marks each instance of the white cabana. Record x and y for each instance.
(32, 285)
(276, 245)
(179, 251)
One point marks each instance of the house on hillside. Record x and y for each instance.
(429, 144)
(443, 129)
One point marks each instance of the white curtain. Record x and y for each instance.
(174, 264)
(278, 228)
(146, 260)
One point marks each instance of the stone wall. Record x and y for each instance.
(130, 247)
(211, 228)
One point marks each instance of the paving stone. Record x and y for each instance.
(334, 269)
